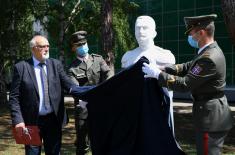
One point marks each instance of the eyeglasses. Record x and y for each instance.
(42, 46)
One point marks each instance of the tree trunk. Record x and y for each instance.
(107, 32)
(61, 33)
(228, 8)
(61, 38)
(64, 24)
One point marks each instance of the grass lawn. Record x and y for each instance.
(183, 129)
(185, 133)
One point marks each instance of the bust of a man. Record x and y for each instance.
(145, 32)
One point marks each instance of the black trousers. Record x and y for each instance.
(51, 134)
(82, 138)
(81, 125)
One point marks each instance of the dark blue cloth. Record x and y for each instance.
(80, 90)
(128, 115)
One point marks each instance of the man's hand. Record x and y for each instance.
(151, 70)
(19, 129)
(73, 88)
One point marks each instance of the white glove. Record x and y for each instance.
(151, 70)
(83, 103)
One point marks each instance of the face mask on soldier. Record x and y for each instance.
(82, 50)
(193, 42)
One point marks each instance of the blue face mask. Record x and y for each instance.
(192, 42)
(82, 50)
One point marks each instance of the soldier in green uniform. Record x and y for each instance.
(204, 77)
(86, 69)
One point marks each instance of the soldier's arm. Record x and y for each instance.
(105, 69)
(178, 69)
(203, 70)
(71, 75)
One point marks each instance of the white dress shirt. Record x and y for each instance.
(200, 50)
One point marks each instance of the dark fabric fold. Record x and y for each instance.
(128, 115)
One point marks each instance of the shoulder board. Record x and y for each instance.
(205, 55)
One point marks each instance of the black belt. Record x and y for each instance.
(206, 97)
(47, 115)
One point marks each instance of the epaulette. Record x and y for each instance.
(205, 55)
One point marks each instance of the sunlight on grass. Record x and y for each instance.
(183, 128)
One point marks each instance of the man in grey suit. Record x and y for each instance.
(36, 97)
(204, 77)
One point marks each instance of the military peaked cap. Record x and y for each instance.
(198, 21)
(79, 38)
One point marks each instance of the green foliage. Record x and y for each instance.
(86, 18)
(124, 36)
(89, 19)
(15, 32)
(17, 18)
(16, 27)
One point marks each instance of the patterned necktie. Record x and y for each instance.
(44, 86)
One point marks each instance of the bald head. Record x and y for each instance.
(38, 40)
(40, 47)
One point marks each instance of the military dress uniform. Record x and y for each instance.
(86, 70)
(204, 77)
(92, 71)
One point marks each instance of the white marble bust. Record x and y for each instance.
(145, 32)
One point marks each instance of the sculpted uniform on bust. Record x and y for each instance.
(145, 33)
(155, 53)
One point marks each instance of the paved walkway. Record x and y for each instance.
(189, 104)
